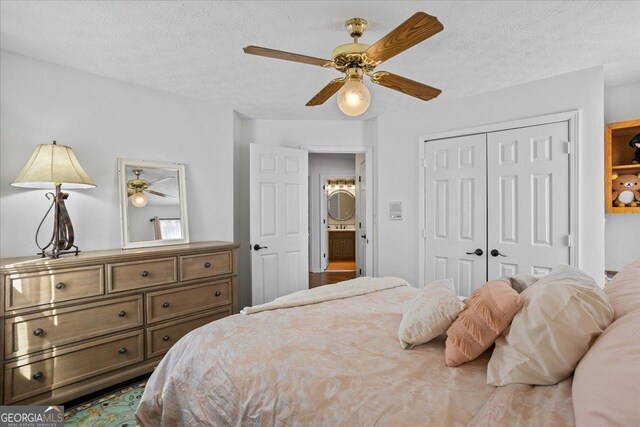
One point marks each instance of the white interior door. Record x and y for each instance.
(279, 222)
(361, 216)
(324, 230)
(528, 204)
(455, 206)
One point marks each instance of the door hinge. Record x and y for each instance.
(324, 187)
(324, 221)
(359, 178)
(569, 240)
(360, 270)
(568, 147)
(424, 233)
(324, 255)
(359, 225)
(424, 162)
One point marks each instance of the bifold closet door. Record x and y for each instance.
(528, 199)
(455, 204)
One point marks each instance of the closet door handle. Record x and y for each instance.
(478, 252)
(495, 252)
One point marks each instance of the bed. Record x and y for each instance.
(335, 363)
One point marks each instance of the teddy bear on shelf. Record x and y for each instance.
(635, 143)
(626, 190)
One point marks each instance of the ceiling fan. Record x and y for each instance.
(137, 187)
(358, 59)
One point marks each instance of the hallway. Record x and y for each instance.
(329, 278)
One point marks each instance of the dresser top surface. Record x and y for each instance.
(9, 265)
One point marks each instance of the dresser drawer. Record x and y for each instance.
(206, 265)
(41, 331)
(165, 305)
(161, 337)
(125, 276)
(37, 375)
(25, 290)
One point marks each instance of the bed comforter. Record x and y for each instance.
(336, 363)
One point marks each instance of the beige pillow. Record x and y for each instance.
(624, 290)
(489, 311)
(606, 384)
(429, 313)
(520, 282)
(562, 315)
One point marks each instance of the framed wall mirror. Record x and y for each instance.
(341, 205)
(153, 203)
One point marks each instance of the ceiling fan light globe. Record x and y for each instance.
(354, 98)
(139, 200)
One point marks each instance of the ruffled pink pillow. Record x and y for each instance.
(489, 311)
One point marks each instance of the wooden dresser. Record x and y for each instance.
(77, 324)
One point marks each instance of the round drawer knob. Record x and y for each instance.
(122, 313)
(60, 285)
(218, 293)
(37, 376)
(165, 305)
(165, 338)
(122, 350)
(207, 264)
(145, 273)
(38, 332)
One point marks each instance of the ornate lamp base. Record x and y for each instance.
(61, 242)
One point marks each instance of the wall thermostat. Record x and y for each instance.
(395, 211)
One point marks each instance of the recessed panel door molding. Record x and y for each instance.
(279, 222)
(528, 199)
(455, 206)
(362, 241)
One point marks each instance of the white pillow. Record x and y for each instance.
(429, 314)
(562, 316)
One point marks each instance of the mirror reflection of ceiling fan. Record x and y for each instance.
(138, 187)
(357, 59)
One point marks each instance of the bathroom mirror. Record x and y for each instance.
(342, 205)
(153, 203)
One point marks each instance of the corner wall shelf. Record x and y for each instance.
(617, 159)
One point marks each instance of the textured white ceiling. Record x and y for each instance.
(195, 48)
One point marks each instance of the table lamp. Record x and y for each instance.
(50, 167)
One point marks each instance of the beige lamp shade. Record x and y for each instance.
(52, 164)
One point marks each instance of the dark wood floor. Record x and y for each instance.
(328, 278)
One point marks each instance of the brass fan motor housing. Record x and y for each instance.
(351, 55)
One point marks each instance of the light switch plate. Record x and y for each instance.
(395, 211)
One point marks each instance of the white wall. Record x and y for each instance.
(278, 133)
(399, 159)
(622, 231)
(104, 119)
(321, 163)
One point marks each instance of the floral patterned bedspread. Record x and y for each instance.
(336, 363)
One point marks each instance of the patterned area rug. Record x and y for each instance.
(115, 409)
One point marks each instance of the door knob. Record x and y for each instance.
(495, 252)
(257, 247)
(478, 252)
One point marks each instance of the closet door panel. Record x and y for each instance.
(528, 199)
(455, 206)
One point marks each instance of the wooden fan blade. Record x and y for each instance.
(327, 92)
(287, 56)
(160, 194)
(161, 180)
(405, 85)
(411, 32)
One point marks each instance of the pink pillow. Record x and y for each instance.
(489, 312)
(624, 290)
